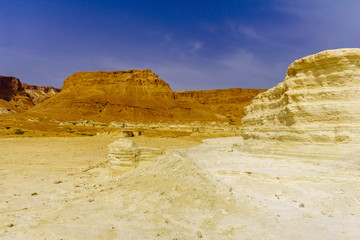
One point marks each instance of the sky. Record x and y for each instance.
(191, 44)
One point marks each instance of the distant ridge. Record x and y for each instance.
(140, 95)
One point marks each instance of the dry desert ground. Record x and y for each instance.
(62, 188)
(294, 173)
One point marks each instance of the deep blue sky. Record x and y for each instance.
(197, 44)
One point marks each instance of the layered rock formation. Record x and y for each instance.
(39, 94)
(134, 95)
(140, 95)
(314, 113)
(18, 97)
(13, 97)
(227, 102)
(124, 154)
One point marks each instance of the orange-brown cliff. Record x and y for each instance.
(13, 97)
(227, 102)
(140, 95)
(134, 95)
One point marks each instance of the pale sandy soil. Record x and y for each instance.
(210, 191)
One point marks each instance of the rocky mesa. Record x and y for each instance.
(314, 113)
(132, 95)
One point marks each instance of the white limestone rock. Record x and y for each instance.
(124, 153)
(314, 113)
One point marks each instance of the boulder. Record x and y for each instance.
(125, 154)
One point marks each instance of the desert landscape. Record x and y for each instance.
(179, 120)
(106, 164)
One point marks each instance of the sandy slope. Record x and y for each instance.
(210, 191)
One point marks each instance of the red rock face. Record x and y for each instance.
(13, 97)
(10, 87)
(18, 97)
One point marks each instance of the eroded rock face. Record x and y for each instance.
(134, 95)
(314, 113)
(140, 95)
(10, 87)
(227, 102)
(13, 97)
(124, 154)
(39, 94)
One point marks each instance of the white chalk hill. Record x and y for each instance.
(314, 113)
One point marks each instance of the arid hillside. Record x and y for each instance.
(17, 97)
(13, 97)
(93, 102)
(294, 171)
(39, 94)
(227, 102)
(139, 95)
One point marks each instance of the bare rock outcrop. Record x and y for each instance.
(314, 113)
(134, 95)
(13, 97)
(39, 94)
(227, 102)
(141, 96)
(124, 154)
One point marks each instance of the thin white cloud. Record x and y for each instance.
(251, 70)
(196, 45)
(210, 27)
(168, 37)
(240, 30)
(249, 32)
(326, 23)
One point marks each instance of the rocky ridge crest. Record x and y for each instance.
(132, 95)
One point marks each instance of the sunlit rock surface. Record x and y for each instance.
(141, 96)
(133, 95)
(124, 154)
(39, 94)
(314, 113)
(13, 97)
(227, 102)
(305, 198)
